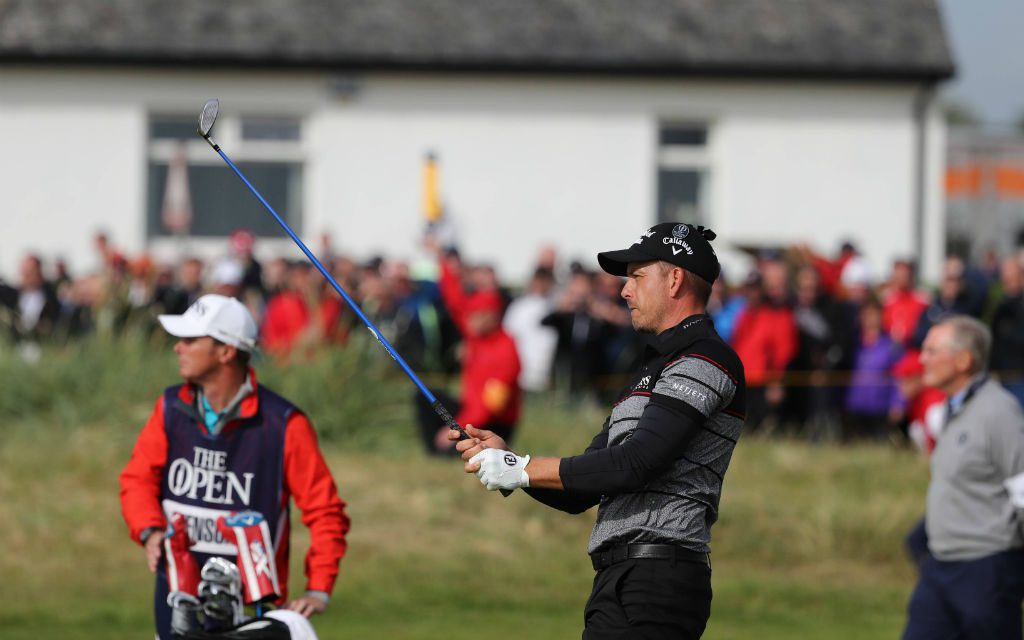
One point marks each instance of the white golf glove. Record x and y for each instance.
(501, 469)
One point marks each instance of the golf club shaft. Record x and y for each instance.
(341, 291)
(439, 408)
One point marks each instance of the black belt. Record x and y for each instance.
(619, 553)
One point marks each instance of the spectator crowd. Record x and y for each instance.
(829, 347)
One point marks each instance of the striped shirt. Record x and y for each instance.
(690, 380)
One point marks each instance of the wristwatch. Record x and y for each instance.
(148, 531)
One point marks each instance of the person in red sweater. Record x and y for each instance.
(903, 304)
(765, 338)
(302, 315)
(221, 443)
(830, 271)
(925, 408)
(490, 394)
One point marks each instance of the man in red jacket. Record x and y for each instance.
(301, 316)
(903, 304)
(221, 443)
(490, 365)
(765, 338)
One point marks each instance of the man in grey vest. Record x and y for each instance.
(972, 585)
(657, 466)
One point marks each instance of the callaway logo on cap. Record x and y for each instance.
(683, 245)
(219, 317)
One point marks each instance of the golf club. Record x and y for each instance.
(206, 121)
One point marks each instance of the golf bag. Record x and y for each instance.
(217, 613)
(209, 603)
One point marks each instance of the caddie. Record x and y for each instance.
(657, 466)
(222, 443)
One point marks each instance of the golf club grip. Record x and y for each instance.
(447, 418)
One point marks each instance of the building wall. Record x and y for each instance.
(524, 161)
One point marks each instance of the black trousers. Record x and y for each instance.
(429, 422)
(646, 599)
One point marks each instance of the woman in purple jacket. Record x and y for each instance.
(871, 395)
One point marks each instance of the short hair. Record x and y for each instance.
(699, 287)
(543, 273)
(871, 301)
(242, 357)
(909, 263)
(971, 335)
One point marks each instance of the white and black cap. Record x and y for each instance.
(219, 317)
(684, 245)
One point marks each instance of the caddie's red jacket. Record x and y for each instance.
(274, 459)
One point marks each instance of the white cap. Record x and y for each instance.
(219, 317)
(228, 272)
(856, 272)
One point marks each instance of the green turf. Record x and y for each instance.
(808, 545)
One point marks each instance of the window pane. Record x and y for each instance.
(679, 196)
(687, 136)
(270, 129)
(221, 203)
(173, 128)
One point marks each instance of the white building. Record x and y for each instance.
(573, 122)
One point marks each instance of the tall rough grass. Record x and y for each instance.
(355, 396)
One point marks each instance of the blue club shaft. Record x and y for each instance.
(439, 408)
(334, 283)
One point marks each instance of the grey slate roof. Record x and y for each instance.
(902, 39)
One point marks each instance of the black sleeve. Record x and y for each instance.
(666, 428)
(569, 502)
(573, 501)
(8, 296)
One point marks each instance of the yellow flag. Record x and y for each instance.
(431, 193)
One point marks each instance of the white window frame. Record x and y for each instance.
(228, 134)
(695, 158)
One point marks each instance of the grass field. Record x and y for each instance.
(808, 544)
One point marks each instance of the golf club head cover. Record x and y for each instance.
(182, 568)
(249, 532)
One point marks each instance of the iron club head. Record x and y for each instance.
(208, 117)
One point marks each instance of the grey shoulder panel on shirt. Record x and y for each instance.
(698, 383)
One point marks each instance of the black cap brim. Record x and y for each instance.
(617, 262)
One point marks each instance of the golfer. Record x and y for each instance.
(656, 468)
(221, 443)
